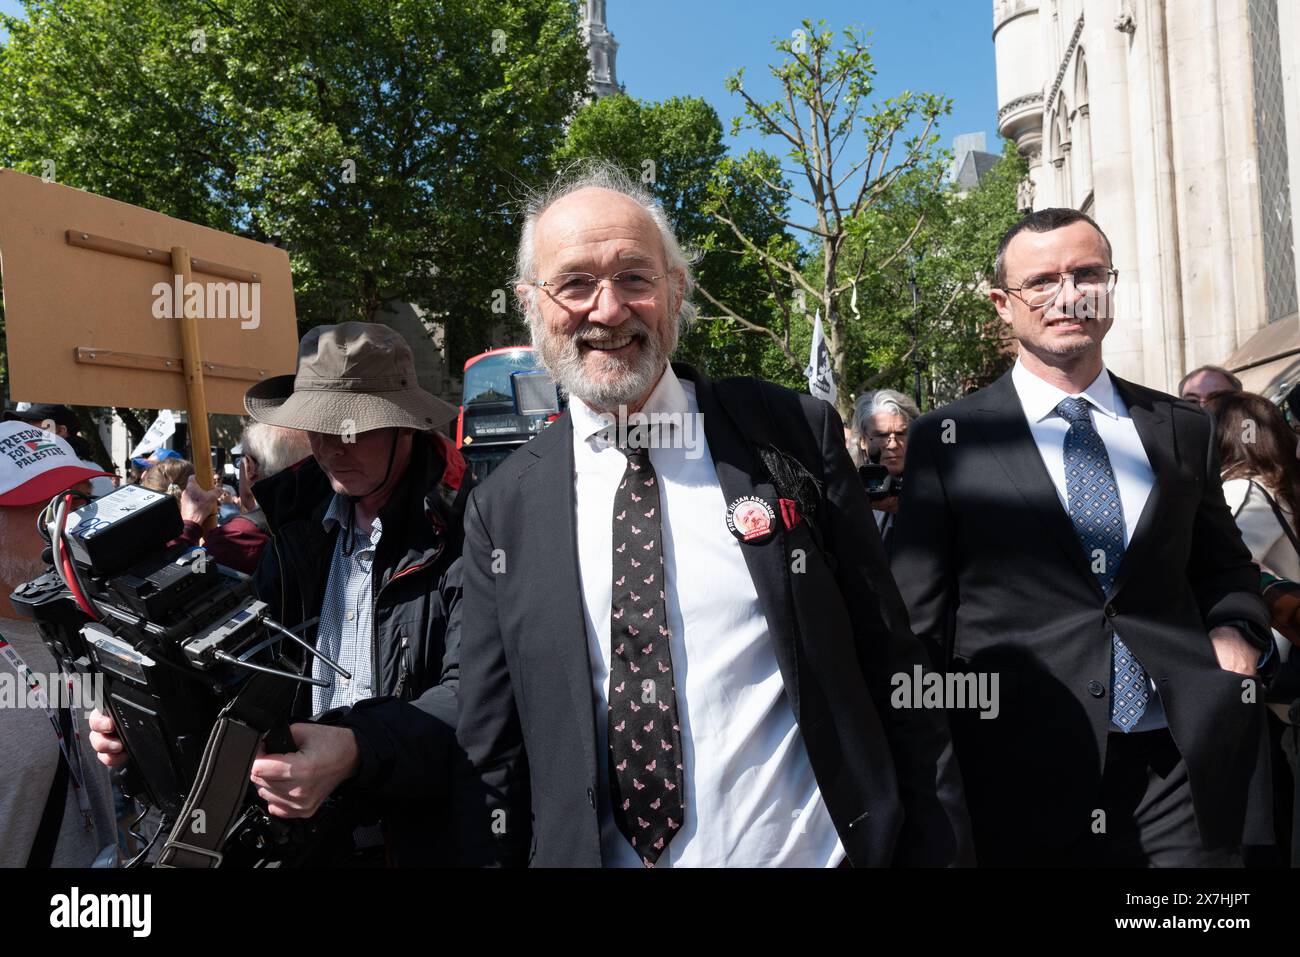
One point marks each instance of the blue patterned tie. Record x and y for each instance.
(1098, 517)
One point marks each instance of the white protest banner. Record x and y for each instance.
(163, 428)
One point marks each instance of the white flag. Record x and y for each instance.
(163, 428)
(821, 380)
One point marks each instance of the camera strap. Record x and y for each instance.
(221, 783)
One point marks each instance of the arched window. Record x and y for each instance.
(1081, 153)
(1060, 150)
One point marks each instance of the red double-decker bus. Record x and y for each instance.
(506, 399)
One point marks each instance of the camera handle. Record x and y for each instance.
(279, 740)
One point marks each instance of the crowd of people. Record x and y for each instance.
(615, 652)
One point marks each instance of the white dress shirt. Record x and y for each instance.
(1128, 460)
(750, 796)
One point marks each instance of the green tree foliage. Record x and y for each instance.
(671, 146)
(848, 157)
(948, 333)
(380, 141)
(676, 149)
(966, 344)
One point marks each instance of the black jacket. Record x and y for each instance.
(528, 720)
(406, 734)
(996, 581)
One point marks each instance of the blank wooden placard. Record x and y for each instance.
(80, 273)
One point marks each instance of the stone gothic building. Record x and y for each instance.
(602, 48)
(1176, 125)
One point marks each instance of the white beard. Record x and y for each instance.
(566, 363)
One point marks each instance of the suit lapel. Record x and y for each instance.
(548, 492)
(736, 465)
(1006, 432)
(1154, 427)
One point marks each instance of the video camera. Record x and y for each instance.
(879, 483)
(192, 668)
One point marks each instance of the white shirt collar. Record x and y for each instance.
(1040, 398)
(668, 397)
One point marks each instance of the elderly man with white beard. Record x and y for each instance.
(676, 659)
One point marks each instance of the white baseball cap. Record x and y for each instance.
(36, 465)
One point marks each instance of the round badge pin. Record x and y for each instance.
(751, 519)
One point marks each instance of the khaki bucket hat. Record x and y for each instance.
(352, 377)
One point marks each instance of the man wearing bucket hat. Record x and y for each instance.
(366, 536)
(56, 806)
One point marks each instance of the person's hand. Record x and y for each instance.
(197, 503)
(1283, 598)
(296, 785)
(1234, 652)
(1284, 607)
(104, 741)
(889, 505)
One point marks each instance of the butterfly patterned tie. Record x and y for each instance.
(1098, 517)
(645, 743)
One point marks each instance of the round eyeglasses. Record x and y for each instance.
(1042, 290)
(579, 288)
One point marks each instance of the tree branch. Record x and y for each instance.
(887, 373)
(772, 124)
(835, 99)
(781, 219)
(773, 285)
(778, 187)
(862, 262)
(856, 167)
(897, 367)
(765, 255)
(751, 326)
(849, 122)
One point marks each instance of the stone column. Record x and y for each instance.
(1017, 40)
(1207, 71)
(1110, 148)
(1155, 295)
(1243, 258)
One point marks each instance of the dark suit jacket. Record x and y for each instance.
(996, 580)
(528, 719)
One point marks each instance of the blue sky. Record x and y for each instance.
(681, 48)
(688, 48)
